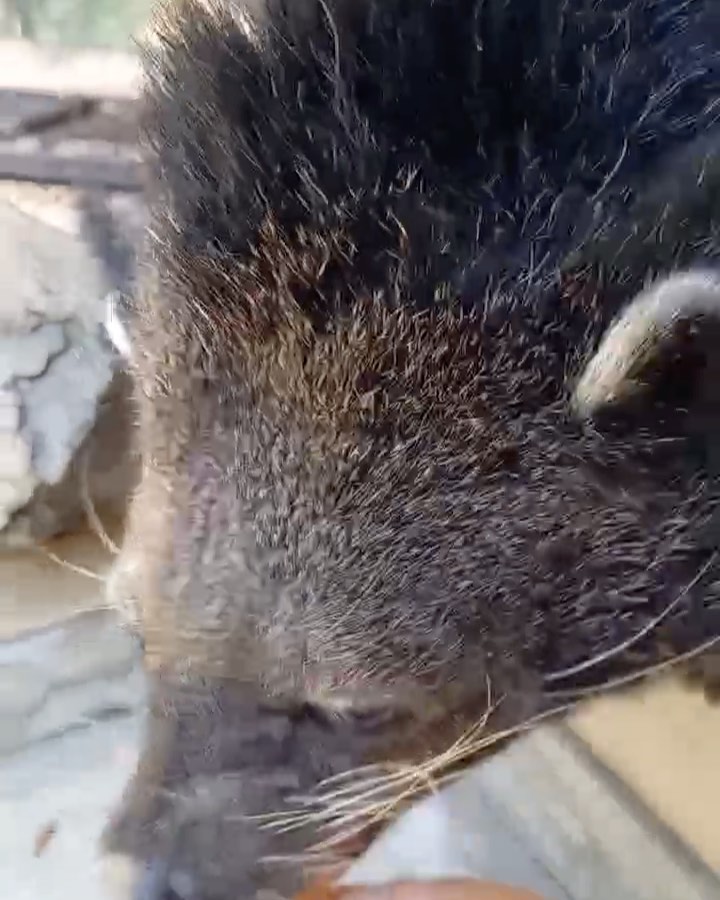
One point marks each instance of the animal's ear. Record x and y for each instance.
(667, 335)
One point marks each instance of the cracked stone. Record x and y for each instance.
(17, 481)
(65, 409)
(61, 407)
(27, 355)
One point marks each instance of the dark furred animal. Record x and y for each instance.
(387, 239)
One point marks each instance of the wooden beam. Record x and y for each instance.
(46, 167)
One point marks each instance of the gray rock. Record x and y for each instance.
(104, 469)
(58, 678)
(9, 411)
(27, 355)
(61, 407)
(58, 377)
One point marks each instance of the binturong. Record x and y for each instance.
(425, 346)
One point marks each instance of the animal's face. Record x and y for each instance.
(394, 471)
(391, 558)
(408, 503)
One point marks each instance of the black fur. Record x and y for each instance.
(520, 127)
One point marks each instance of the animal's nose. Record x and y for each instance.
(158, 880)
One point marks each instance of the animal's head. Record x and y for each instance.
(400, 458)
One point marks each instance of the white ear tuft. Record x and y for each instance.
(638, 334)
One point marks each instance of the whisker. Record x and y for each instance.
(621, 680)
(377, 798)
(73, 567)
(94, 520)
(351, 773)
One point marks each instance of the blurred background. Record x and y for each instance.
(78, 23)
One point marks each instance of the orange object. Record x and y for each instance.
(451, 889)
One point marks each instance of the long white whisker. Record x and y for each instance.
(635, 638)
(621, 680)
